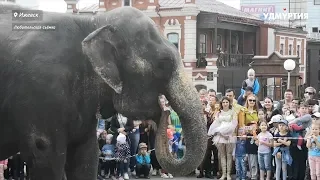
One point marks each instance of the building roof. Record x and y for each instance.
(215, 6)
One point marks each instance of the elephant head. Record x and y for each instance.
(138, 63)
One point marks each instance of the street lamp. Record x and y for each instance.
(289, 65)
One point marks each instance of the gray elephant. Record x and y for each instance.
(52, 81)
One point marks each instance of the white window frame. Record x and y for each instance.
(206, 43)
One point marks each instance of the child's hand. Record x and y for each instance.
(125, 161)
(314, 137)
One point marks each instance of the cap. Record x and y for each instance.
(143, 145)
(317, 115)
(121, 138)
(283, 121)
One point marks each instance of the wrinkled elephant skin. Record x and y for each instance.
(51, 83)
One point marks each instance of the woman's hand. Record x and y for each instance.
(120, 130)
(5, 167)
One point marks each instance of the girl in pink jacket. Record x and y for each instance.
(3, 167)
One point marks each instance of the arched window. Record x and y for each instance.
(290, 49)
(174, 39)
(219, 41)
(126, 3)
(281, 49)
(234, 44)
(203, 44)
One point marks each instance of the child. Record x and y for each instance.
(261, 115)
(313, 144)
(264, 143)
(299, 125)
(281, 150)
(170, 132)
(252, 151)
(3, 167)
(143, 162)
(252, 81)
(122, 154)
(239, 155)
(109, 163)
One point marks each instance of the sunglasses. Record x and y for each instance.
(251, 100)
(310, 93)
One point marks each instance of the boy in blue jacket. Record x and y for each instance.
(143, 162)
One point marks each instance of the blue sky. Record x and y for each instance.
(60, 5)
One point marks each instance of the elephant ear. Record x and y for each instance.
(100, 47)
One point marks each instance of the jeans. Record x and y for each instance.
(281, 165)
(122, 168)
(134, 142)
(253, 165)
(143, 169)
(264, 160)
(241, 167)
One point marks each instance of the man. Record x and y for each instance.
(211, 93)
(242, 99)
(230, 94)
(288, 97)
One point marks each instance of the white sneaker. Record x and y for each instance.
(170, 175)
(126, 176)
(154, 173)
(163, 175)
(133, 173)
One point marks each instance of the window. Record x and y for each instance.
(315, 29)
(234, 44)
(281, 49)
(203, 44)
(219, 41)
(174, 39)
(298, 50)
(126, 3)
(290, 49)
(316, 2)
(210, 76)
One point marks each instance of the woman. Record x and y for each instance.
(120, 124)
(268, 109)
(250, 112)
(209, 117)
(222, 129)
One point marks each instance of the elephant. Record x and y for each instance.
(52, 82)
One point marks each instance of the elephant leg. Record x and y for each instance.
(45, 156)
(82, 159)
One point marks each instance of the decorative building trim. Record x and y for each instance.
(190, 40)
(173, 26)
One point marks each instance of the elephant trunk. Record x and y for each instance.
(184, 100)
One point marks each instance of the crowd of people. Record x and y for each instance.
(250, 139)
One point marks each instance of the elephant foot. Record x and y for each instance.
(82, 159)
